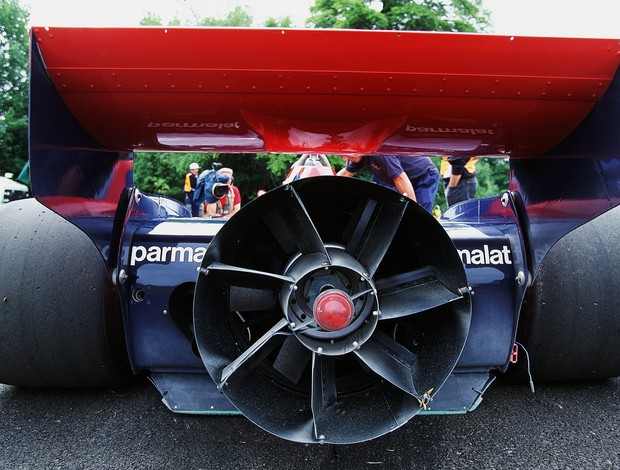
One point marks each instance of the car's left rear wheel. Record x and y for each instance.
(61, 323)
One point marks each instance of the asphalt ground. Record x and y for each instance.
(561, 426)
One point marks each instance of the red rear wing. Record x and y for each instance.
(325, 91)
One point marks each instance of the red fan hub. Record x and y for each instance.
(333, 310)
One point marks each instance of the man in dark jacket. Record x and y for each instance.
(459, 176)
(415, 177)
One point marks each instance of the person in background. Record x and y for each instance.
(212, 179)
(415, 177)
(459, 177)
(231, 203)
(189, 187)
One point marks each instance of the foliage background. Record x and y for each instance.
(14, 87)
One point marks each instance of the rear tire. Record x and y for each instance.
(61, 321)
(570, 323)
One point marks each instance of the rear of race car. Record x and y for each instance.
(319, 321)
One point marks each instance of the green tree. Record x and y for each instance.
(277, 165)
(13, 86)
(237, 17)
(164, 173)
(151, 19)
(493, 176)
(346, 14)
(421, 15)
(285, 22)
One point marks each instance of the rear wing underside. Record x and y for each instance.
(325, 91)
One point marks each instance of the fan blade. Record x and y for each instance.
(412, 292)
(245, 299)
(373, 233)
(244, 277)
(250, 290)
(392, 361)
(324, 395)
(292, 359)
(293, 228)
(231, 368)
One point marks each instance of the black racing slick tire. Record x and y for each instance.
(60, 316)
(570, 324)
